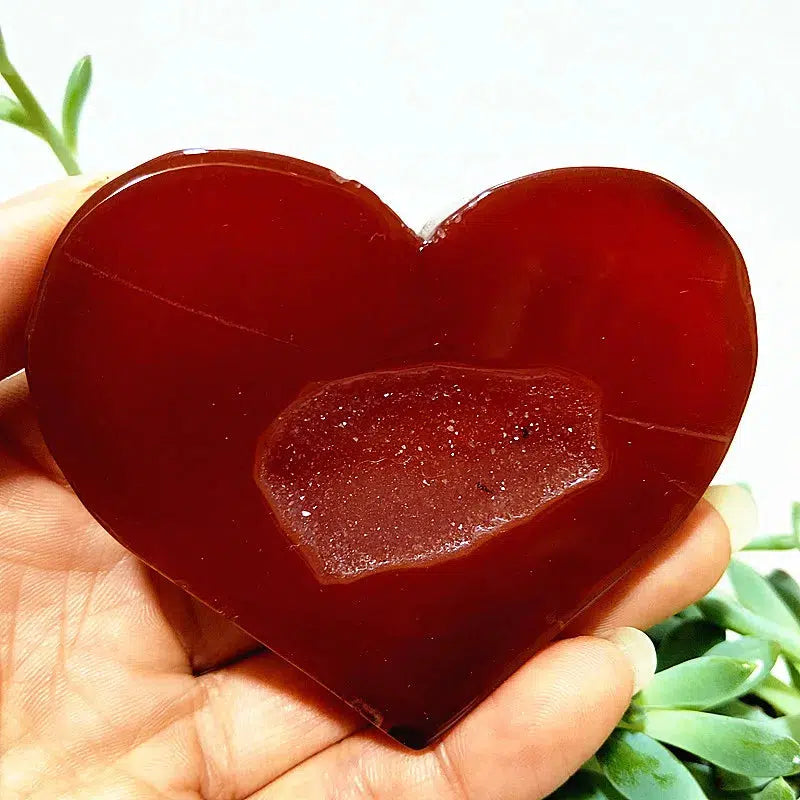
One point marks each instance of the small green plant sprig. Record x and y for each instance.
(715, 723)
(26, 112)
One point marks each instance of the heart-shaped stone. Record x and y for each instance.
(403, 465)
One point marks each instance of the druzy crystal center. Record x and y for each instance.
(401, 468)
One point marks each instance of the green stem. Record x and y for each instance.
(780, 541)
(633, 719)
(593, 766)
(36, 113)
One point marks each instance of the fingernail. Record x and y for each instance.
(638, 649)
(97, 181)
(738, 510)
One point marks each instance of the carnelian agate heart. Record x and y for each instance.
(403, 465)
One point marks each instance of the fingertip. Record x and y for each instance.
(639, 652)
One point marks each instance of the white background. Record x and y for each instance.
(429, 103)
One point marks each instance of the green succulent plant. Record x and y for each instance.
(716, 721)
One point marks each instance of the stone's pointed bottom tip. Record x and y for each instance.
(409, 736)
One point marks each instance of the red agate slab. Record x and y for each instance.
(402, 464)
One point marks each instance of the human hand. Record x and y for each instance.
(116, 684)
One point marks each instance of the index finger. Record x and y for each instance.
(29, 226)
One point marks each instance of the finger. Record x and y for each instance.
(258, 718)
(19, 429)
(683, 571)
(523, 741)
(29, 226)
(209, 639)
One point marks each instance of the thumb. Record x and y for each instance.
(523, 741)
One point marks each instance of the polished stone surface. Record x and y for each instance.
(209, 322)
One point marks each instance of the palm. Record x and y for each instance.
(114, 683)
